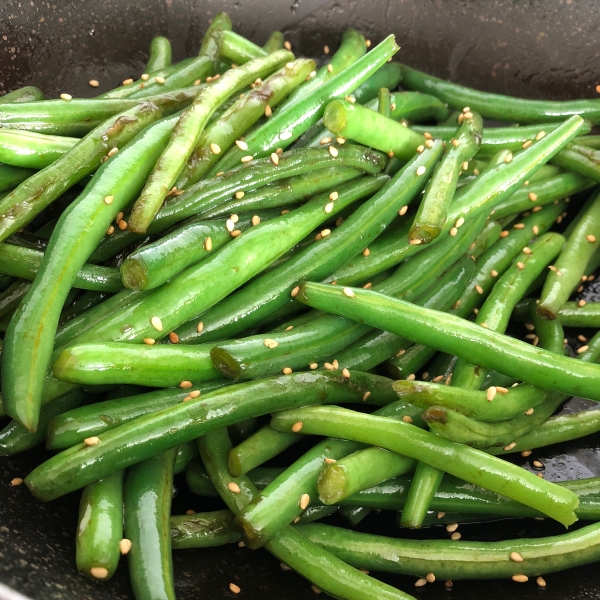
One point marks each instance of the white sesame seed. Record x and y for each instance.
(230, 225)
(160, 80)
(340, 140)
(516, 557)
(421, 170)
(590, 238)
(520, 578)
(326, 140)
(287, 45)
(268, 111)
(345, 373)
(241, 144)
(313, 366)
(200, 327)
(275, 158)
(540, 580)
(455, 536)
(540, 135)
(414, 242)
(255, 220)
(149, 341)
(296, 427)
(99, 572)
(66, 97)
(348, 292)
(366, 252)
(366, 396)
(246, 159)
(16, 481)
(329, 207)
(460, 221)
(452, 527)
(270, 343)
(510, 446)
(234, 487)
(286, 371)
(208, 244)
(453, 231)
(333, 151)
(490, 393)
(304, 501)
(215, 148)
(91, 441)
(94, 83)
(508, 158)
(108, 199)
(421, 582)
(156, 323)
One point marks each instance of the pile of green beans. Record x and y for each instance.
(198, 268)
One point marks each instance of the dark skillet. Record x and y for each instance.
(534, 49)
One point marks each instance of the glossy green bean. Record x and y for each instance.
(150, 434)
(286, 126)
(204, 530)
(462, 461)
(425, 483)
(365, 126)
(147, 506)
(160, 54)
(578, 162)
(74, 426)
(12, 296)
(572, 262)
(187, 133)
(497, 106)
(11, 177)
(28, 93)
(239, 117)
(275, 42)
(32, 150)
(30, 337)
(25, 263)
(237, 49)
(413, 106)
(100, 528)
(433, 210)
(329, 574)
(452, 560)
(137, 364)
(573, 315)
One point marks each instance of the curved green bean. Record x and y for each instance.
(160, 54)
(32, 150)
(204, 530)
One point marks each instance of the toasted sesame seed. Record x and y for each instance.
(326, 140)
(255, 220)
(540, 135)
(185, 384)
(149, 341)
(156, 323)
(448, 584)
(329, 366)
(235, 588)
(420, 148)
(538, 464)
(330, 68)
(510, 446)
(583, 349)
(92, 441)
(520, 578)
(270, 343)
(455, 536)
(122, 224)
(366, 252)
(479, 289)
(99, 572)
(345, 373)
(194, 394)
(411, 377)
(304, 501)
(520, 266)
(535, 229)
(234, 487)
(313, 365)
(325, 232)
(16, 481)
(348, 292)
(400, 352)
(441, 515)
(437, 379)
(590, 238)
(125, 546)
(516, 557)
(367, 286)
(504, 234)
(452, 527)
(295, 291)
(581, 303)
(287, 45)
(333, 151)
(275, 158)
(296, 427)
(110, 230)
(407, 419)
(286, 371)
(241, 144)
(453, 231)
(326, 49)
(403, 210)
(268, 111)
(340, 140)
(519, 226)
(246, 159)
(540, 580)
(366, 396)
(421, 170)
(430, 577)
(421, 582)
(330, 461)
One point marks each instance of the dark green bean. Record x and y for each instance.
(204, 530)
(11, 177)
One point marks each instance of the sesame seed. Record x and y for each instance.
(581, 303)
(516, 557)
(145, 77)
(234, 487)
(326, 49)
(479, 289)
(66, 97)
(325, 232)
(91, 441)
(304, 501)
(173, 338)
(185, 384)
(286, 371)
(590, 238)
(235, 588)
(520, 266)
(268, 111)
(407, 419)
(122, 224)
(421, 171)
(246, 159)
(490, 393)
(448, 584)
(504, 234)
(430, 577)
(510, 446)
(540, 580)
(284, 567)
(328, 366)
(403, 210)
(526, 250)
(149, 341)
(110, 230)
(315, 589)
(287, 45)
(215, 148)
(519, 226)
(94, 83)
(326, 140)
(582, 349)
(368, 45)
(348, 292)
(340, 140)
(230, 225)
(421, 582)
(269, 343)
(453, 231)
(156, 323)
(520, 578)
(255, 220)
(465, 165)
(345, 373)
(159, 80)
(108, 199)
(275, 158)
(414, 242)
(452, 527)
(420, 148)
(313, 365)
(16, 481)
(366, 396)
(460, 221)
(333, 151)
(508, 158)
(125, 546)
(540, 135)
(535, 229)
(219, 173)
(429, 143)
(295, 291)
(194, 394)
(241, 145)
(330, 461)
(296, 427)
(330, 68)
(99, 572)
(538, 464)
(311, 75)
(208, 244)
(437, 379)
(441, 515)
(455, 536)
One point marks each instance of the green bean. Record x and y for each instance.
(74, 426)
(287, 125)
(462, 461)
(488, 190)
(354, 514)
(147, 505)
(577, 162)
(542, 193)
(239, 117)
(237, 49)
(413, 106)
(185, 453)
(137, 364)
(147, 435)
(275, 42)
(204, 530)
(573, 315)
(205, 195)
(85, 302)
(497, 106)
(387, 76)
(12, 296)
(285, 192)
(153, 264)
(452, 560)
(591, 141)
(211, 43)
(32, 150)
(270, 291)
(11, 177)
(321, 338)
(30, 337)
(572, 262)
(433, 210)
(25, 263)
(258, 448)
(28, 93)
(187, 133)
(376, 347)
(100, 528)
(36, 193)
(160, 54)
(365, 126)
(384, 102)
(14, 438)
(425, 483)
(329, 574)
(352, 47)
(508, 290)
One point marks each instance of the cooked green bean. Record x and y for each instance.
(275, 42)
(160, 54)
(413, 106)
(425, 483)
(204, 530)
(100, 528)
(32, 150)
(578, 162)
(497, 106)
(11, 177)
(28, 93)
(462, 461)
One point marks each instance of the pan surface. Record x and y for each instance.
(535, 49)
